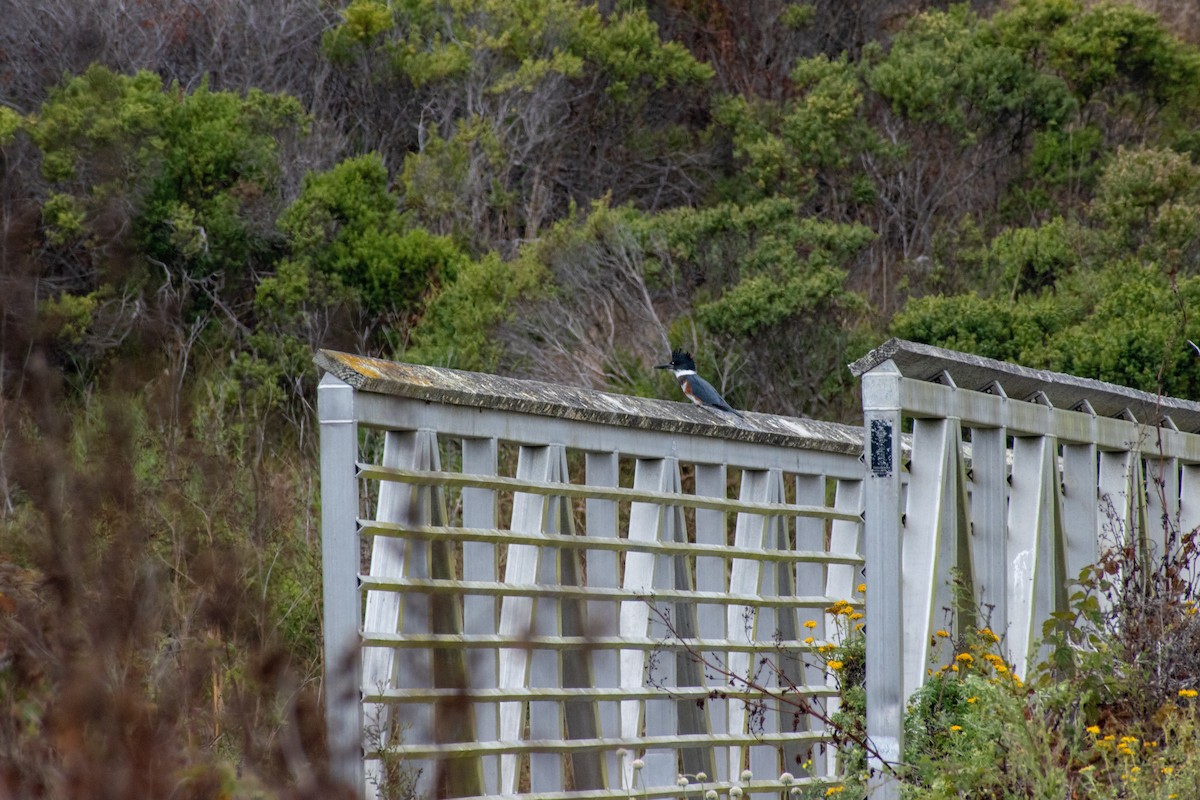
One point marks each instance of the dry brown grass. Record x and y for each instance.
(143, 651)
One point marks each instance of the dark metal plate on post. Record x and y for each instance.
(881, 448)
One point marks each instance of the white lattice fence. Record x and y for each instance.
(563, 584)
(1015, 481)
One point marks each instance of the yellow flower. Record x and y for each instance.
(835, 665)
(862, 587)
(972, 699)
(954, 667)
(943, 634)
(987, 634)
(810, 624)
(832, 790)
(956, 728)
(1167, 770)
(1093, 729)
(1188, 693)
(965, 658)
(839, 607)
(858, 626)
(856, 615)
(809, 640)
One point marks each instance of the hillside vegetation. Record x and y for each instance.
(197, 195)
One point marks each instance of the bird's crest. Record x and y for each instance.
(683, 359)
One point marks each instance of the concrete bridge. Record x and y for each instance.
(541, 591)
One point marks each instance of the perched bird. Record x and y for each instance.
(698, 390)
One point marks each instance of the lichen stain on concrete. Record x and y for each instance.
(363, 365)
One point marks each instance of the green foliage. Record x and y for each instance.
(1135, 334)
(69, 316)
(194, 168)
(772, 284)
(1110, 50)
(1137, 187)
(1110, 712)
(212, 206)
(363, 21)
(516, 98)
(156, 197)
(526, 43)
(1062, 168)
(629, 53)
(348, 237)
(435, 180)
(1033, 259)
(458, 327)
(1108, 298)
(10, 123)
(952, 69)
(1125, 325)
(784, 147)
(357, 277)
(96, 114)
(64, 218)
(975, 735)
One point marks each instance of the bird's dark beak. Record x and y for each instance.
(663, 366)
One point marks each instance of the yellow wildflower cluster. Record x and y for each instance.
(1127, 745)
(997, 663)
(975, 652)
(1138, 761)
(842, 608)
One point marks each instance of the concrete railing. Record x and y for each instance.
(1016, 478)
(538, 590)
(533, 589)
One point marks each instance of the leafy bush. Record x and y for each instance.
(1111, 712)
(158, 209)
(350, 242)
(526, 109)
